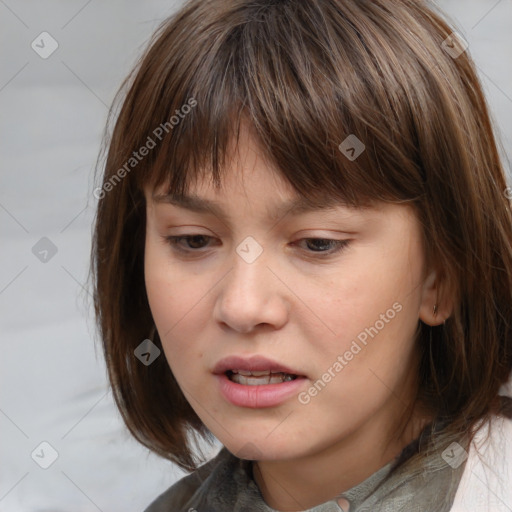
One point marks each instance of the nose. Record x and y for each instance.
(251, 295)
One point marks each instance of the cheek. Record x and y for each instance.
(371, 313)
(177, 301)
(358, 299)
(161, 285)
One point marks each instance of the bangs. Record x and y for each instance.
(270, 66)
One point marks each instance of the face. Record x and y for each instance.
(330, 296)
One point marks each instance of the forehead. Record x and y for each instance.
(249, 172)
(294, 206)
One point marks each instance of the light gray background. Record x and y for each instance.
(53, 381)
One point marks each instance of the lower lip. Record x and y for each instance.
(256, 397)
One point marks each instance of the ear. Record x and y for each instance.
(436, 303)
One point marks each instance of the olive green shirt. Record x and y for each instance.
(226, 484)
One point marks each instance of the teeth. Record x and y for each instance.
(255, 374)
(266, 377)
(261, 373)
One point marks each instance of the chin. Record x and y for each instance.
(253, 448)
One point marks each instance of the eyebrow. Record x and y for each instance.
(300, 205)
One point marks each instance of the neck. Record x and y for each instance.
(312, 479)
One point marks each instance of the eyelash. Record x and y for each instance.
(173, 241)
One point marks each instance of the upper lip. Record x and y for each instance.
(252, 363)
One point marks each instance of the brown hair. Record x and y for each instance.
(306, 75)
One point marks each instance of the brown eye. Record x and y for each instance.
(324, 246)
(193, 243)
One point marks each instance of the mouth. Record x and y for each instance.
(255, 370)
(257, 382)
(259, 378)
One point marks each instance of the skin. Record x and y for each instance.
(304, 311)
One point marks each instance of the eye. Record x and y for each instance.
(318, 247)
(193, 242)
